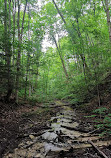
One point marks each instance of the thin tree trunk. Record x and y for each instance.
(108, 18)
(63, 64)
(94, 7)
(85, 67)
(9, 16)
(71, 35)
(5, 31)
(28, 55)
(29, 84)
(36, 79)
(59, 12)
(18, 56)
(14, 13)
(23, 20)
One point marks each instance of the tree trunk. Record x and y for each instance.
(59, 12)
(20, 34)
(71, 35)
(23, 20)
(7, 48)
(59, 51)
(18, 56)
(30, 84)
(28, 55)
(13, 47)
(108, 18)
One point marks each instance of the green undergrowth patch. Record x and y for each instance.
(103, 119)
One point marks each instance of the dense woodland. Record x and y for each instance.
(75, 58)
(55, 55)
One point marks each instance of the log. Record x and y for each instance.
(97, 149)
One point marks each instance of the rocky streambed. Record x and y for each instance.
(64, 138)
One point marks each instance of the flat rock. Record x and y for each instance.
(49, 136)
(31, 137)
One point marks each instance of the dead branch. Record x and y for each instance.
(75, 129)
(97, 149)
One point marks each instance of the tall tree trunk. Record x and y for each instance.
(59, 12)
(28, 55)
(18, 56)
(13, 47)
(20, 34)
(71, 35)
(23, 20)
(59, 51)
(9, 16)
(108, 18)
(7, 46)
(85, 67)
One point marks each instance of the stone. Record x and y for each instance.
(28, 142)
(21, 145)
(31, 137)
(38, 156)
(9, 156)
(49, 136)
(30, 154)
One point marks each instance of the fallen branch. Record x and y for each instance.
(91, 132)
(75, 129)
(89, 154)
(97, 149)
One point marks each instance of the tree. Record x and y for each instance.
(79, 51)
(106, 7)
(20, 34)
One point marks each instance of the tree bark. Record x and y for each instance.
(7, 48)
(59, 12)
(13, 47)
(18, 56)
(23, 20)
(30, 92)
(20, 34)
(108, 18)
(28, 55)
(9, 16)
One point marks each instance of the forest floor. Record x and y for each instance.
(26, 122)
(19, 120)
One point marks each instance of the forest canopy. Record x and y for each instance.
(54, 49)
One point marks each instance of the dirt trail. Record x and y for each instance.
(64, 138)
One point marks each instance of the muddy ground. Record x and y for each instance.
(16, 121)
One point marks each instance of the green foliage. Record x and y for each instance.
(104, 121)
(83, 44)
(90, 116)
(101, 111)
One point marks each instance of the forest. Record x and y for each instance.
(55, 78)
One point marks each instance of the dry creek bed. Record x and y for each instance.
(63, 137)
